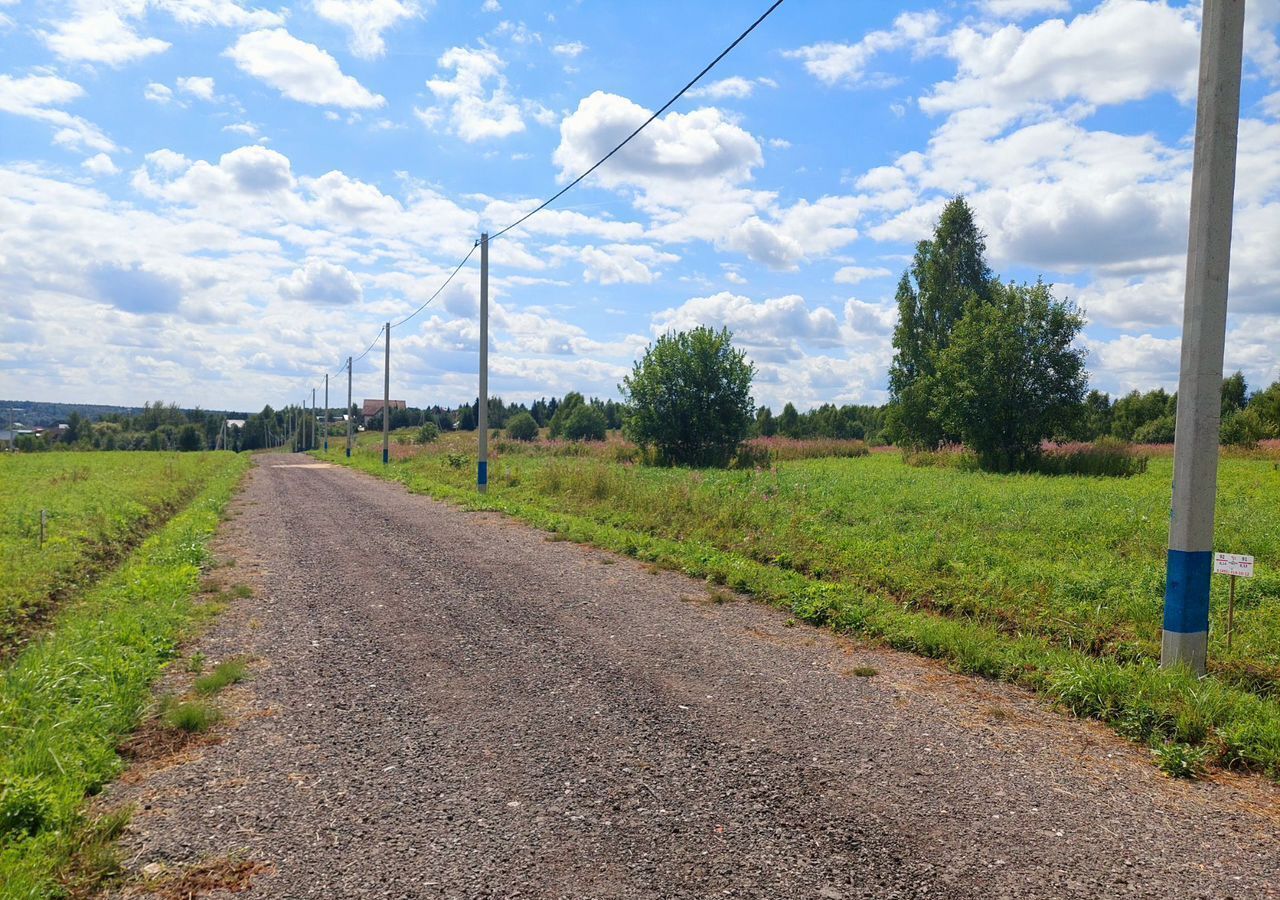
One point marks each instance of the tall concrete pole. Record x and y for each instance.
(326, 412)
(1204, 327)
(311, 444)
(386, 398)
(482, 468)
(348, 415)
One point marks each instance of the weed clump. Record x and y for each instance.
(26, 805)
(1179, 760)
(224, 674)
(193, 716)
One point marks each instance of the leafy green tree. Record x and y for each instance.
(690, 397)
(789, 422)
(947, 277)
(1012, 377)
(766, 424)
(1156, 431)
(586, 422)
(189, 438)
(428, 432)
(522, 427)
(1235, 394)
(564, 409)
(1135, 409)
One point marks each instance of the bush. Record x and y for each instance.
(1106, 456)
(522, 427)
(1157, 431)
(690, 397)
(25, 805)
(586, 423)
(428, 433)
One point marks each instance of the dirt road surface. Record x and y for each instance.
(449, 704)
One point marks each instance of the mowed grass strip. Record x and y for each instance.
(66, 701)
(99, 507)
(1054, 583)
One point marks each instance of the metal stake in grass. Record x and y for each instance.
(1185, 639)
(44, 513)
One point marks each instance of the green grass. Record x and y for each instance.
(224, 674)
(194, 716)
(68, 698)
(1054, 583)
(99, 506)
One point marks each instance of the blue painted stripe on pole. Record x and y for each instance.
(482, 475)
(384, 456)
(1186, 592)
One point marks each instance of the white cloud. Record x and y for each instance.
(622, 263)
(856, 274)
(221, 13)
(476, 111)
(199, 86)
(1121, 51)
(569, 49)
(37, 96)
(300, 71)
(735, 87)
(100, 34)
(158, 93)
(366, 20)
(100, 164)
(1020, 9)
(835, 63)
(770, 329)
(491, 6)
(322, 284)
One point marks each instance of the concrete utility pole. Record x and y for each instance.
(1185, 640)
(386, 398)
(326, 412)
(311, 445)
(482, 468)
(348, 415)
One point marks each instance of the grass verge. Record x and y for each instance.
(1225, 724)
(67, 700)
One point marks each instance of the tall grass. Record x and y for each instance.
(99, 506)
(68, 698)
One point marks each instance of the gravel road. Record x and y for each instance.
(449, 704)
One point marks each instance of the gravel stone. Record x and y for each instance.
(448, 704)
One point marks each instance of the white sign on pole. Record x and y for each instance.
(1233, 564)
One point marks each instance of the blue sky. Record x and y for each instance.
(214, 203)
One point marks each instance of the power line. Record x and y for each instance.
(711, 65)
(455, 271)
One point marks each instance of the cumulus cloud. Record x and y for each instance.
(100, 164)
(856, 274)
(300, 71)
(770, 329)
(39, 96)
(1020, 9)
(134, 288)
(100, 34)
(321, 283)
(833, 63)
(569, 49)
(366, 20)
(735, 88)
(199, 86)
(476, 99)
(158, 93)
(622, 263)
(1121, 51)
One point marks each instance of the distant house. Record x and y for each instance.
(235, 423)
(374, 407)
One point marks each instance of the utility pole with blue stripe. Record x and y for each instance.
(1185, 640)
(482, 467)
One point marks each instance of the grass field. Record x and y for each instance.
(1056, 583)
(69, 696)
(99, 506)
